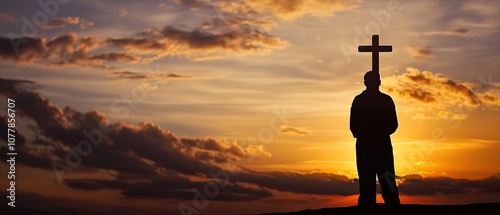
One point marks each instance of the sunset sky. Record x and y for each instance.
(139, 107)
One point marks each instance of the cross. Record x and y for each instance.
(375, 49)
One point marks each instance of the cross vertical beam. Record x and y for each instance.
(375, 49)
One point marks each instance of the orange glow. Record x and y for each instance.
(243, 106)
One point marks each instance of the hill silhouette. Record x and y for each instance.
(407, 209)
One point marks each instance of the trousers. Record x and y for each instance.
(372, 163)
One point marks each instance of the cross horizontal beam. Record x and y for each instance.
(375, 49)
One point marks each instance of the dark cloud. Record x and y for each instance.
(292, 201)
(60, 50)
(23, 49)
(128, 75)
(18, 84)
(153, 75)
(461, 31)
(306, 183)
(109, 57)
(170, 187)
(144, 44)
(312, 183)
(418, 185)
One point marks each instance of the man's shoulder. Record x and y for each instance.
(385, 95)
(373, 95)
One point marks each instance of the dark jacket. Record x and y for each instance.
(373, 119)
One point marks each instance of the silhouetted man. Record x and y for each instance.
(373, 120)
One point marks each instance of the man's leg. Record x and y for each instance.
(387, 179)
(367, 179)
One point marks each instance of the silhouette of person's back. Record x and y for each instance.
(373, 120)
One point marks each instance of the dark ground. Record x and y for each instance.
(407, 209)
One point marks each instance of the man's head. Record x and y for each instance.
(372, 79)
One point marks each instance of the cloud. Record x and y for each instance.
(61, 22)
(123, 143)
(16, 83)
(161, 165)
(197, 44)
(420, 53)
(228, 38)
(97, 59)
(28, 50)
(460, 31)
(237, 22)
(60, 50)
(302, 183)
(437, 95)
(156, 76)
(426, 163)
(192, 4)
(188, 43)
(457, 12)
(149, 152)
(418, 185)
(229, 34)
(123, 12)
(456, 32)
(6, 17)
(287, 10)
(294, 130)
(129, 75)
(169, 187)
